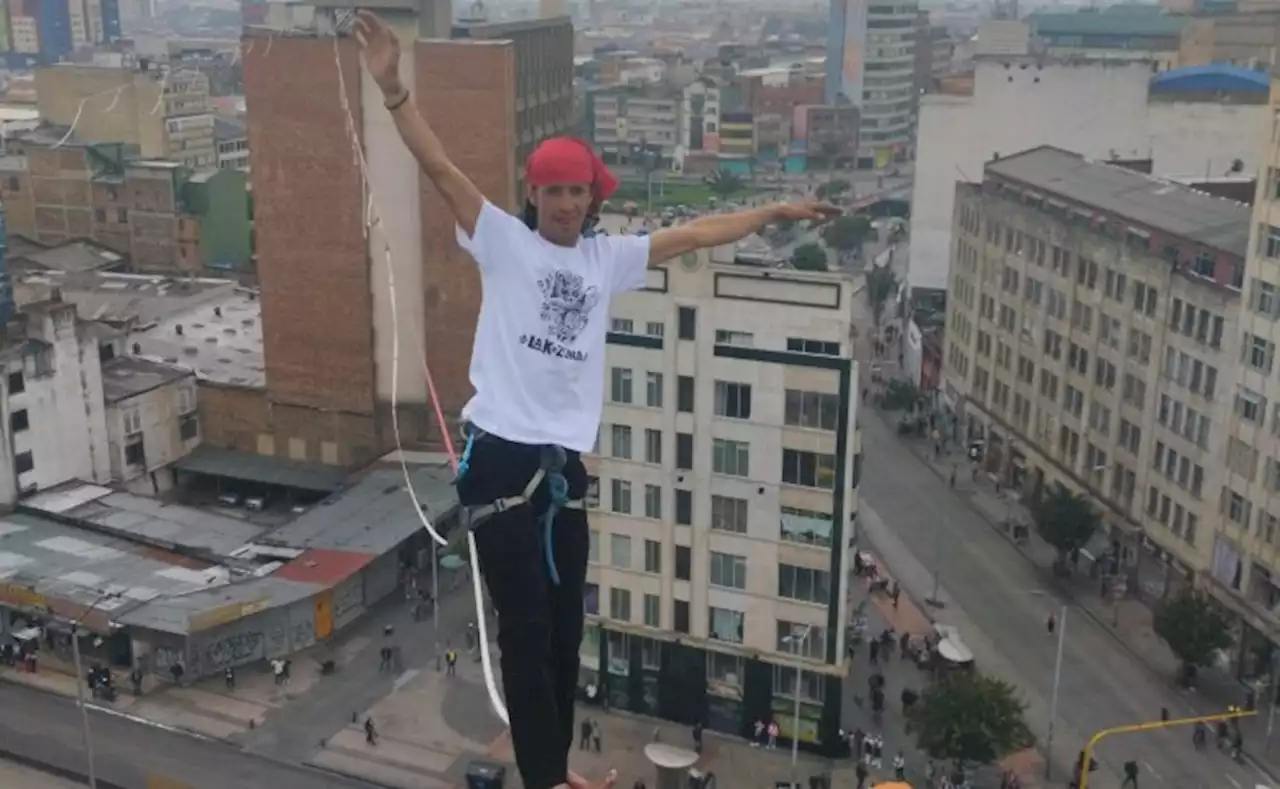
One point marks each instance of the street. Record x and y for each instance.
(46, 728)
(1001, 603)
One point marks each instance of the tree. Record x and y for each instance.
(832, 189)
(847, 233)
(969, 718)
(1194, 628)
(809, 257)
(881, 285)
(1065, 520)
(724, 183)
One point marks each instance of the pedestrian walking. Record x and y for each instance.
(904, 645)
(773, 734)
(370, 732)
(861, 773)
(595, 735)
(584, 734)
(1051, 624)
(229, 676)
(897, 591)
(697, 738)
(758, 731)
(451, 662)
(1130, 775)
(873, 650)
(900, 766)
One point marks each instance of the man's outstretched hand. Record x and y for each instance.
(807, 210)
(381, 52)
(578, 782)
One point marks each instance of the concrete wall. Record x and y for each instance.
(1095, 110)
(160, 412)
(277, 632)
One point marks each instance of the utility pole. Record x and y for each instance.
(1053, 703)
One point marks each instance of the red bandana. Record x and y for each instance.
(568, 160)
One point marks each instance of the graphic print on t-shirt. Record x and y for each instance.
(567, 302)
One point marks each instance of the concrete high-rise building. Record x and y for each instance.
(1092, 339)
(871, 64)
(327, 314)
(1245, 569)
(165, 113)
(725, 487)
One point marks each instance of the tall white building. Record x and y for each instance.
(724, 490)
(887, 111)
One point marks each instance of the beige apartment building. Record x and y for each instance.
(166, 113)
(1245, 562)
(1092, 334)
(725, 489)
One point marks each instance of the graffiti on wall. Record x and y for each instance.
(234, 649)
(164, 658)
(304, 633)
(348, 597)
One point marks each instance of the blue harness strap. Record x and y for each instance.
(553, 461)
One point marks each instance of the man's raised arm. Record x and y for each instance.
(382, 58)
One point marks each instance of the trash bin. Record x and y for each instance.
(486, 775)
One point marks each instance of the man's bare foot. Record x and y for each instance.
(576, 781)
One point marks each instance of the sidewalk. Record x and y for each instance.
(1129, 620)
(908, 617)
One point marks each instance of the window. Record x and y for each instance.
(652, 556)
(620, 604)
(811, 409)
(1265, 298)
(730, 457)
(810, 469)
(733, 400)
(23, 462)
(655, 328)
(684, 394)
(687, 323)
(729, 514)
(622, 326)
(590, 598)
(620, 551)
(728, 570)
(806, 527)
(743, 338)
(1250, 405)
(820, 347)
(19, 421)
(620, 385)
(1258, 352)
(593, 545)
(653, 390)
(680, 616)
(1130, 436)
(652, 445)
(652, 609)
(592, 499)
(684, 507)
(189, 427)
(803, 583)
(620, 442)
(684, 451)
(134, 454)
(684, 563)
(725, 624)
(17, 384)
(811, 641)
(1270, 241)
(653, 502)
(621, 490)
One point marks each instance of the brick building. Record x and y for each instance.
(327, 309)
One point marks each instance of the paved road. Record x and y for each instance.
(15, 776)
(46, 728)
(1001, 602)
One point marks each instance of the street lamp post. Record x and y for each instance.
(435, 600)
(797, 643)
(1053, 704)
(80, 680)
(84, 712)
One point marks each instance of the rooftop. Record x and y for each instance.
(56, 560)
(211, 326)
(148, 519)
(1142, 199)
(373, 515)
(207, 608)
(1134, 20)
(225, 129)
(262, 469)
(127, 376)
(71, 257)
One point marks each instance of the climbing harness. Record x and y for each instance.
(551, 469)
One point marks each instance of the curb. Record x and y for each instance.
(1074, 602)
(57, 771)
(346, 776)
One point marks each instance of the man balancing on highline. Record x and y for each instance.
(538, 372)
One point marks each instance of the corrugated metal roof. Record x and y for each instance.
(1125, 20)
(373, 516)
(206, 609)
(263, 469)
(320, 566)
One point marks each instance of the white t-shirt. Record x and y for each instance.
(538, 361)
